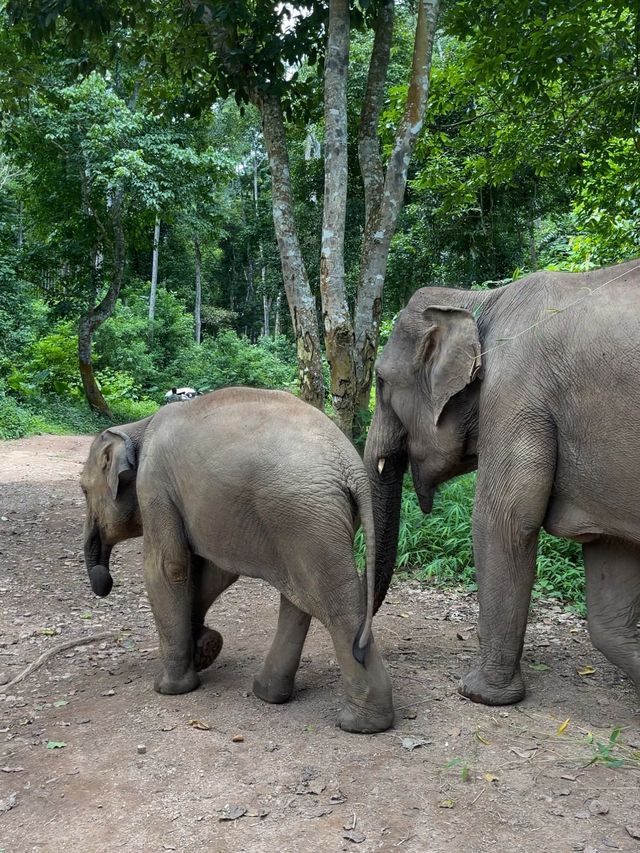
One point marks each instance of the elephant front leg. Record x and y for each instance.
(275, 682)
(511, 501)
(209, 583)
(613, 603)
(167, 575)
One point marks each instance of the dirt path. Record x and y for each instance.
(136, 773)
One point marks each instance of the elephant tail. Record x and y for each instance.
(361, 494)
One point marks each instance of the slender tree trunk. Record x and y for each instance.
(266, 315)
(97, 314)
(384, 199)
(338, 331)
(90, 386)
(154, 270)
(296, 283)
(276, 323)
(533, 254)
(197, 311)
(20, 239)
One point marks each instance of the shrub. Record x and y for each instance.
(50, 365)
(14, 418)
(229, 359)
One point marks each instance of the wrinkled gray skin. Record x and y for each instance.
(242, 482)
(550, 418)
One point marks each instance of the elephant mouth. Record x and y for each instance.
(96, 555)
(425, 499)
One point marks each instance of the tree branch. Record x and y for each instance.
(61, 647)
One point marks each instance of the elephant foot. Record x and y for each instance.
(207, 648)
(272, 689)
(475, 686)
(361, 721)
(173, 686)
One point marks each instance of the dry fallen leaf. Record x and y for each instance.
(587, 670)
(198, 724)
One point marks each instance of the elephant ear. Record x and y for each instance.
(118, 458)
(450, 353)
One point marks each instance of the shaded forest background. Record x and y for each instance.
(117, 137)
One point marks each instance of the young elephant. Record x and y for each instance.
(243, 482)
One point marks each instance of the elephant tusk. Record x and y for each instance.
(381, 462)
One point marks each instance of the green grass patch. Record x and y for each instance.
(437, 548)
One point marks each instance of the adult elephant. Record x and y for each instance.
(537, 385)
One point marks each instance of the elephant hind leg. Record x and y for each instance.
(369, 706)
(275, 681)
(169, 582)
(209, 583)
(613, 603)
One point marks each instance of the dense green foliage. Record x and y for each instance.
(529, 159)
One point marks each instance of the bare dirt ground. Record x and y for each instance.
(136, 771)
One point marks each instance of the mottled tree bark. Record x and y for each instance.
(296, 283)
(384, 197)
(338, 330)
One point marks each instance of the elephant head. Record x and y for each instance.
(426, 415)
(108, 482)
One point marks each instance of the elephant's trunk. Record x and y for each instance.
(96, 557)
(385, 474)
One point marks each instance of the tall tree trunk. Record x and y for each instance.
(197, 311)
(97, 314)
(296, 283)
(338, 331)
(384, 198)
(154, 270)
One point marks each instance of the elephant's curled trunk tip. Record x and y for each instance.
(101, 580)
